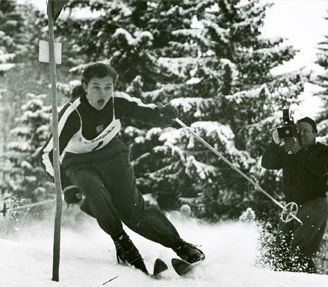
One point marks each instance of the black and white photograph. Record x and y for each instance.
(163, 143)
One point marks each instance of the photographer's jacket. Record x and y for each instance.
(90, 135)
(304, 174)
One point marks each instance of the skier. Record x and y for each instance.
(95, 163)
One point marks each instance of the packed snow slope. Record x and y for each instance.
(88, 258)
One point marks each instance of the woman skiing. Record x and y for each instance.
(95, 162)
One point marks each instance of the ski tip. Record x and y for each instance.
(178, 261)
(159, 267)
(180, 266)
(175, 260)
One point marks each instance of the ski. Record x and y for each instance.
(182, 267)
(159, 267)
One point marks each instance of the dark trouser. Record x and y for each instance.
(298, 243)
(112, 197)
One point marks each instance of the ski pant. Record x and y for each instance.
(111, 196)
(303, 241)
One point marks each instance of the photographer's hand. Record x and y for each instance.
(297, 146)
(291, 145)
(288, 145)
(275, 137)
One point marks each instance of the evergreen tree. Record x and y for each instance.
(321, 79)
(217, 73)
(12, 38)
(232, 101)
(27, 74)
(6, 41)
(12, 41)
(24, 178)
(250, 100)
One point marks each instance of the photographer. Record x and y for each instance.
(305, 168)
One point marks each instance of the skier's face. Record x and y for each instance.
(99, 91)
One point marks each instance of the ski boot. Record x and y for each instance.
(189, 252)
(127, 253)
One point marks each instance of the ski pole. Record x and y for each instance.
(256, 185)
(5, 209)
(110, 280)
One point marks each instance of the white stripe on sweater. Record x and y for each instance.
(49, 147)
(134, 100)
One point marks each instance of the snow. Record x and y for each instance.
(21, 131)
(221, 33)
(171, 136)
(224, 131)
(193, 81)
(203, 170)
(152, 132)
(19, 146)
(6, 67)
(186, 103)
(142, 37)
(88, 258)
(4, 57)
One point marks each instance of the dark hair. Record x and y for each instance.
(77, 92)
(309, 121)
(99, 70)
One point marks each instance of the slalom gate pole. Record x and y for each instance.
(256, 185)
(53, 76)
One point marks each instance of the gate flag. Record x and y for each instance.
(56, 6)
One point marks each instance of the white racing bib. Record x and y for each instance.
(78, 144)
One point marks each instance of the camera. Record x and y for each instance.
(289, 128)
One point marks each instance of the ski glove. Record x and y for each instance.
(72, 194)
(168, 113)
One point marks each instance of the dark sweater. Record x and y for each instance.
(304, 174)
(90, 119)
